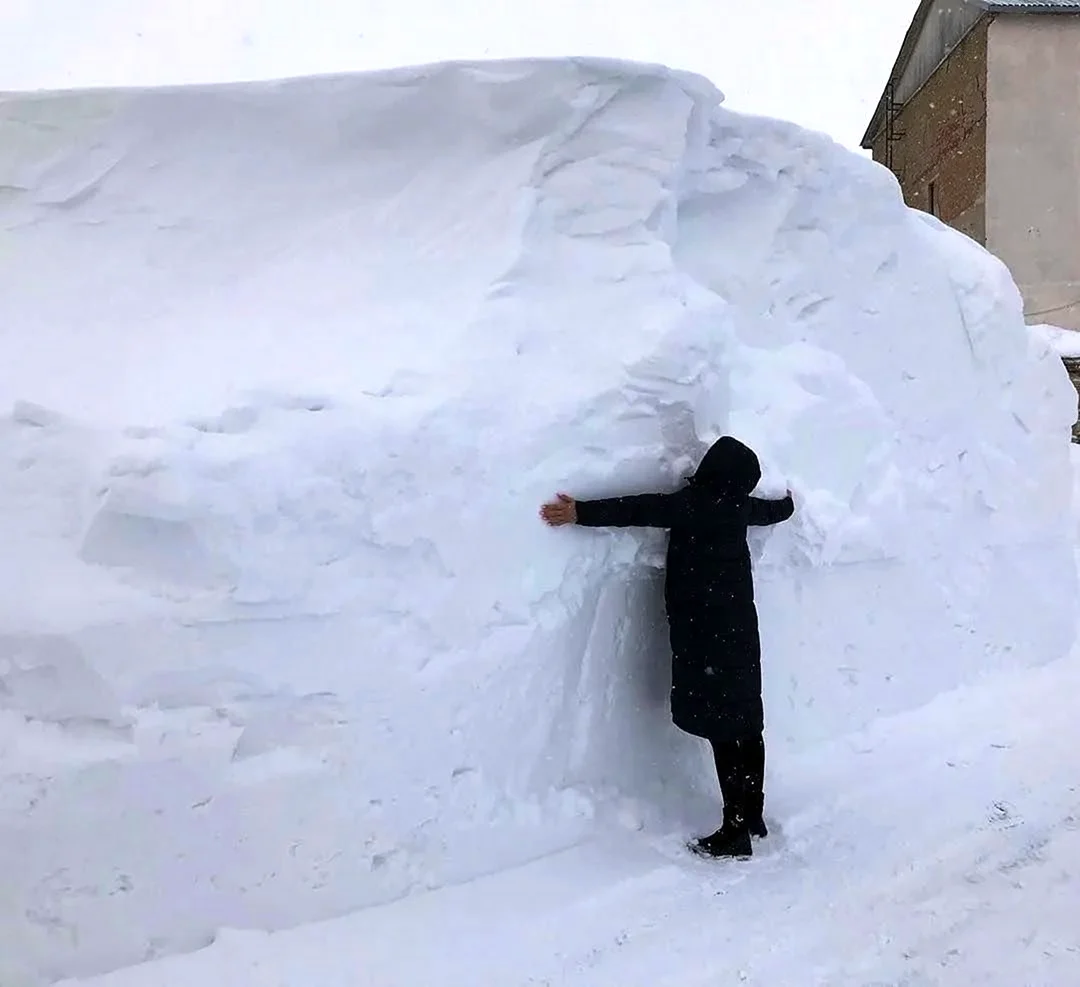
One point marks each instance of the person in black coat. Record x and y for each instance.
(712, 618)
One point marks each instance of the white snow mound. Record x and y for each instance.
(1064, 342)
(292, 366)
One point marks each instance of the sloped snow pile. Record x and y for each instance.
(292, 366)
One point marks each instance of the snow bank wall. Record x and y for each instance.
(291, 367)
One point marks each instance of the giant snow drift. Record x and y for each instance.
(292, 366)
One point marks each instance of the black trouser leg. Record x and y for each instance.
(754, 768)
(740, 768)
(731, 773)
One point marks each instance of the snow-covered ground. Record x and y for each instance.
(291, 366)
(939, 847)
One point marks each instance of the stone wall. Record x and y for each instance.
(940, 159)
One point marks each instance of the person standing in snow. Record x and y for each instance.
(712, 618)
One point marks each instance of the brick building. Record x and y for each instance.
(980, 122)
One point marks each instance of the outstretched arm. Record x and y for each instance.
(639, 511)
(764, 512)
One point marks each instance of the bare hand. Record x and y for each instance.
(564, 511)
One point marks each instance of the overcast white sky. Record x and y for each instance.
(821, 63)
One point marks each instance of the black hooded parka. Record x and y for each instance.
(708, 588)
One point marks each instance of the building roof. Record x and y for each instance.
(918, 22)
(1031, 6)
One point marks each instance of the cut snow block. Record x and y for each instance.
(301, 722)
(46, 677)
(35, 415)
(156, 546)
(134, 530)
(500, 280)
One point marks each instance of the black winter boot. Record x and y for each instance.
(728, 841)
(733, 838)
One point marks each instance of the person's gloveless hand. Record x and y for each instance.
(563, 511)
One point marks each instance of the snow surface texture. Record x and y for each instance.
(292, 366)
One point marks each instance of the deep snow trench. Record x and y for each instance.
(291, 366)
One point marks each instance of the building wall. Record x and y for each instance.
(943, 142)
(1033, 160)
(947, 24)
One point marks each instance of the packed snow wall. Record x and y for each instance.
(290, 368)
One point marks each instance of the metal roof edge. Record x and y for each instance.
(915, 30)
(907, 46)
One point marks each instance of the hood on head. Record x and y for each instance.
(728, 467)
